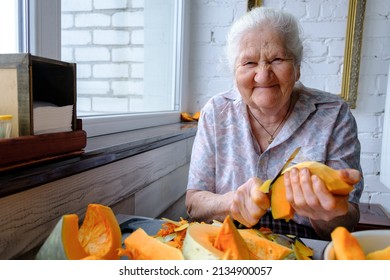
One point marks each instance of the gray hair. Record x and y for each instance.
(285, 24)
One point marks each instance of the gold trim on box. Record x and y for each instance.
(352, 50)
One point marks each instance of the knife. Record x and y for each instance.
(266, 186)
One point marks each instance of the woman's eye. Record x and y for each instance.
(277, 60)
(249, 63)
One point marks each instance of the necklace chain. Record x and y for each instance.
(271, 134)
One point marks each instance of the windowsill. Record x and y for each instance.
(100, 150)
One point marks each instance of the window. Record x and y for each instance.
(128, 56)
(9, 26)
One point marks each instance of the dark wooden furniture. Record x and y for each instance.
(372, 216)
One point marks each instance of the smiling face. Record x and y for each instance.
(265, 73)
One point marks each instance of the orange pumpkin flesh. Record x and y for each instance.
(229, 239)
(98, 237)
(100, 234)
(345, 245)
(205, 241)
(140, 246)
(383, 254)
(72, 246)
(198, 242)
(261, 248)
(280, 207)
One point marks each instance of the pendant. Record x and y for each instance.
(270, 140)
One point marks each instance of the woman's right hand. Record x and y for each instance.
(249, 203)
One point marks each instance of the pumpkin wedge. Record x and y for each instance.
(281, 208)
(100, 234)
(383, 254)
(62, 243)
(261, 248)
(98, 237)
(141, 246)
(345, 245)
(223, 242)
(198, 243)
(230, 240)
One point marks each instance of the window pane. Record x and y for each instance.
(9, 26)
(125, 54)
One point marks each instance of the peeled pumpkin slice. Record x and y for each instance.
(196, 116)
(140, 246)
(281, 208)
(186, 117)
(345, 245)
(99, 236)
(383, 254)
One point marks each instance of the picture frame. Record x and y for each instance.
(352, 50)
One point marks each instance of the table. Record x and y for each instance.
(129, 223)
(317, 245)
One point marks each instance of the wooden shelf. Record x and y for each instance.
(27, 150)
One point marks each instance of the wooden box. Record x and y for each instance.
(25, 79)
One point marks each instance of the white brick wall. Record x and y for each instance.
(324, 25)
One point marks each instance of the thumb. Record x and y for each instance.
(350, 176)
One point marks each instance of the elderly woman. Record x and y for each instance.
(245, 135)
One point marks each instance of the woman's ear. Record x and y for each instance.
(298, 73)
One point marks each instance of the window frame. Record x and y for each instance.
(44, 39)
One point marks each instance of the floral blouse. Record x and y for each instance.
(225, 154)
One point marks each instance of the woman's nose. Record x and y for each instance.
(263, 72)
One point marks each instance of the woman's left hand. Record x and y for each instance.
(309, 196)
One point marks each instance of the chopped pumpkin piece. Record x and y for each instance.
(140, 246)
(230, 240)
(383, 254)
(346, 246)
(99, 236)
(196, 116)
(261, 248)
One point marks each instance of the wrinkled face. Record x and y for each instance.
(265, 74)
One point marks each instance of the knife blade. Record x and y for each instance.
(266, 186)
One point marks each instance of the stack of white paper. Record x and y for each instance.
(49, 118)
